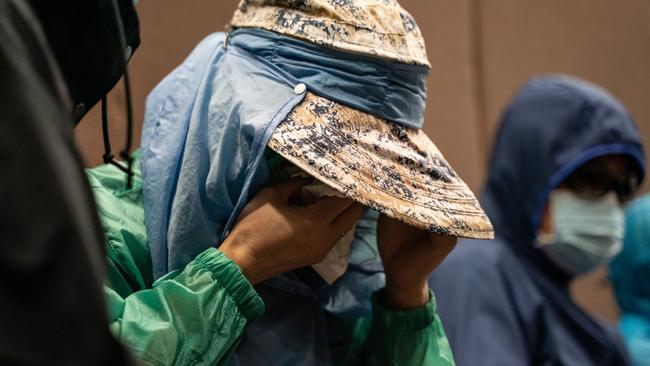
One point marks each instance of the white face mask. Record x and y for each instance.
(587, 232)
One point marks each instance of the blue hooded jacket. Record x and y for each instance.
(502, 302)
(630, 274)
(203, 157)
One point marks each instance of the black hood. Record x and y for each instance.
(84, 37)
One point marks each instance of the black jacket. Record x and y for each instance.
(503, 302)
(52, 309)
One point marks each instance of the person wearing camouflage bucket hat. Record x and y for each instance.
(358, 129)
(330, 89)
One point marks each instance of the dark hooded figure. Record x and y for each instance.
(57, 59)
(566, 159)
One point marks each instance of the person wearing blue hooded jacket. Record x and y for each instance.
(567, 157)
(629, 272)
(209, 264)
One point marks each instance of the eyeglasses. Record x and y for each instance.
(592, 183)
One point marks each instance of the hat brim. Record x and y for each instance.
(395, 170)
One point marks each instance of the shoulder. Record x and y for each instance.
(120, 209)
(189, 72)
(488, 304)
(482, 269)
(199, 57)
(479, 255)
(173, 95)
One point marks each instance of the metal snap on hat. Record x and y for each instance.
(355, 147)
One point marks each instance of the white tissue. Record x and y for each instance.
(336, 261)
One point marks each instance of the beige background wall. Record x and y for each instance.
(480, 51)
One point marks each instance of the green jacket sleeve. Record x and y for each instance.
(391, 337)
(190, 317)
(407, 337)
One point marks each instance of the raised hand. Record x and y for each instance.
(273, 236)
(409, 256)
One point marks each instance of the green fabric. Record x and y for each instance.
(197, 316)
(391, 337)
(191, 317)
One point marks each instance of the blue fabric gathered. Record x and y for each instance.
(388, 89)
(203, 158)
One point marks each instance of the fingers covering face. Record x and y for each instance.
(329, 208)
(289, 189)
(348, 218)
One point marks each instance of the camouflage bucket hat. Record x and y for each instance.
(383, 163)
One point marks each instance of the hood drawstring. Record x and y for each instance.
(124, 154)
(108, 156)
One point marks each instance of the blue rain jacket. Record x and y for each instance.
(502, 302)
(204, 136)
(208, 123)
(630, 274)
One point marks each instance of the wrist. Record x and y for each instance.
(399, 296)
(236, 250)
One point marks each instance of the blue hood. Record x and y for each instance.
(554, 125)
(503, 302)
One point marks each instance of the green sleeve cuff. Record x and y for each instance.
(228, 274)
(399, 321)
